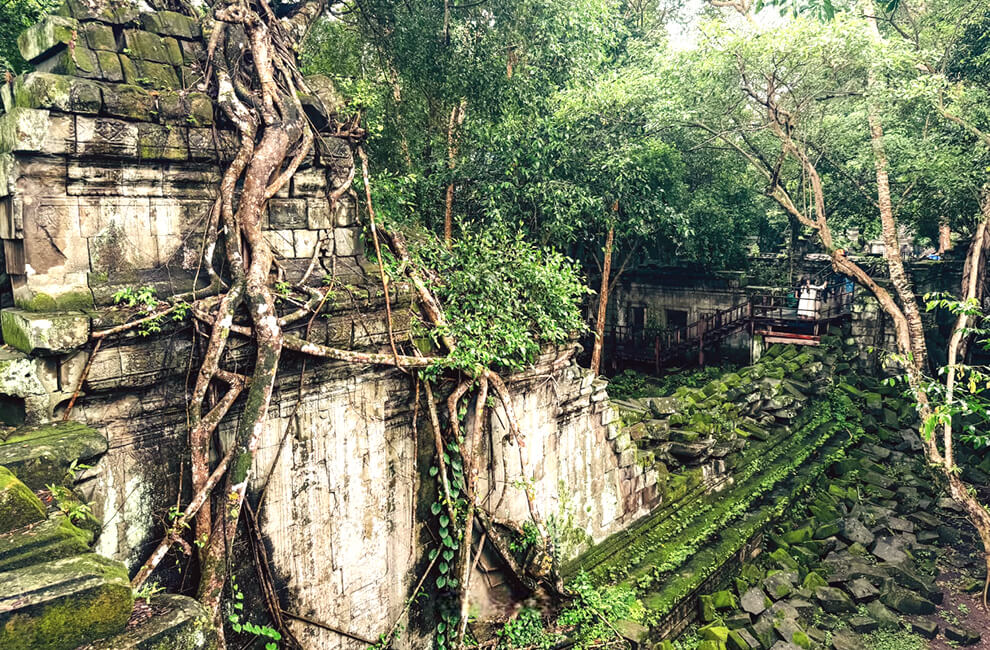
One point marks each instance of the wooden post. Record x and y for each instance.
(701, 342)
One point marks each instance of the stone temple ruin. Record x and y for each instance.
(110, 161)
(110, 158)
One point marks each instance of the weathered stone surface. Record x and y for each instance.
(18, 504)
(43, 541)
(145, 46)
(26, 129)
(51, 33)
(59, 92)
(847, 640)
(961, 635)
(99, 37)
(861, 589)
(150, 74)
(863, 624)
(906, 602)
(833, 600)
(780, 584)
(175, 623)
(78, 62)
(128, 101)
(853, 530)
(170, 23)
(107, 11)
(890, 549)
(927, 629)
(41, 454)
(50, 333)
(62, 604)
(882, 614)
(754, 601)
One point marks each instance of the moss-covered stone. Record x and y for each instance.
(62, 604)
(77, 62)
(51, 333)
(110, 67)
(19, 506)
(128, 101)
(149, 74)
(51, 539)
(99, 37)
(41, 454)
(158, 142)
(115, 13)
(179, 623)
(170, 23)
(145, 46)
(41, 38)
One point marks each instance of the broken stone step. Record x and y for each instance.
(19, 506)
(62, 604)
(42, 454)
(44, 541)
(174, 622)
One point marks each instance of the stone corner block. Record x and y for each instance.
(44, 333)
(51, 33)
(64, 603)
(18, 504)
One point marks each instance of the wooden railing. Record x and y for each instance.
(773, 310)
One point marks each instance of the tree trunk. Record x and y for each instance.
(596, 350)
(456, 119)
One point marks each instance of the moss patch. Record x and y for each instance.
(18, 504)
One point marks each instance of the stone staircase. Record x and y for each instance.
(57, 594)
(732, 456)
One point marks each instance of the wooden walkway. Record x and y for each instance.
(772, 315)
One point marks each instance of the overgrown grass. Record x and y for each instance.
(894, 640)
(630, 384)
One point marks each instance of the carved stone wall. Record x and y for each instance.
(110, 158)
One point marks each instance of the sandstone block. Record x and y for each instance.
(99, 37)
(42, 454)
(178, 623)
(347, 241)
(170, 23)
(44, 333)
(115, 13)
(59, 92)
(151, 74)
(110, 66)
(51, 539)
(62, 604)
(156, 142)
(192, 52)
(128, 101)
(42, 38)
(286, 214)
(78, 62)
(18, 504)
(145, 46)
(25, 129)
(108, 137)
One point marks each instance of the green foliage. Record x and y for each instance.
(895, 640)
(630, 384)
(594, 608)
(527, 630)
(69, 504)
(270, 636)
(15, 17)
(504, 298)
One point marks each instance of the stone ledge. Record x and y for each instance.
(42, 454)
(44, 333)
(166, 621)
(61, 604)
